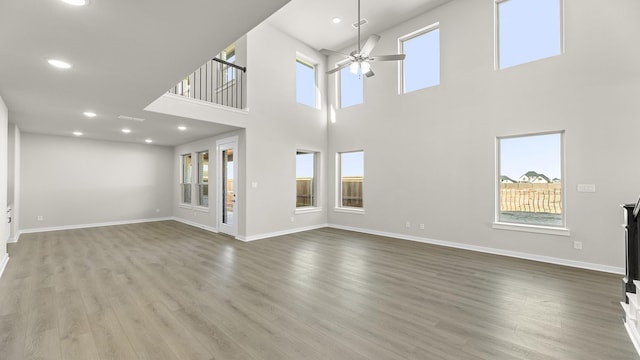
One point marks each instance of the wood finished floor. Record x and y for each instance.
(170, 291)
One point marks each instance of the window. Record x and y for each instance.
(305, 83)
(527, 30)
(351, 88)
(228, 55)
(185, 179)
(306, 187)
(203, 178)
(421, 67)
(351, 178)
(530, 180)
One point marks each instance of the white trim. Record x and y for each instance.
(307, 210)
(194, 224)
(185, 205)
(488, 250)
(205, 103)
(633, 335)
(84, 226)
(280, 233)
(532, 228)
(14, 239)
(348, 210)
(203, 209)
(3, 264)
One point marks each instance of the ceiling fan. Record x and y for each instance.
(359, 60)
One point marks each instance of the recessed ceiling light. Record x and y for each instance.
(59, 64)
(148, 141)
(126, 131)
(76, 2)
(182, 128)
(336, 20)
(89, 114)
(77, 133)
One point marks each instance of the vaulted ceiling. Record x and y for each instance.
(125, 54)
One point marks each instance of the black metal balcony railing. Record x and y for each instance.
(218, 81)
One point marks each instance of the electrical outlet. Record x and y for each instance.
(408, 224)
(577, 245)
(40, 218)
(421, 226)
(588, 188)
(293, 219)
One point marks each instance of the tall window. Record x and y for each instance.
(530, 180)
(306, 165)
(351, 88)
(305, 83)
(228, 55)
(185, 179)
(203, 178)
(421, 67)
(351, 178)
(528, 30)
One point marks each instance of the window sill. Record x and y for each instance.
(548, 230)
(308, 210)
(201, 209)
(185, 206)
(349, 210)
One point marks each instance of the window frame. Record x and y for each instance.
(339, 207)
(401, 66)
(560, 230)
(496, 15)
(316, 206)
(307, 61)
(183, 176)
(198, 182)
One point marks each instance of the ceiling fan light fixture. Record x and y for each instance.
(354, 67)
(365, 67)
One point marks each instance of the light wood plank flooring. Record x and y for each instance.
(169, 291)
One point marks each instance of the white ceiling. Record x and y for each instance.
(127, 53)
(310, 20)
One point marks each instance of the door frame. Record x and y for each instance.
(221, 145)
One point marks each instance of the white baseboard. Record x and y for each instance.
(515, 254)
(280, 233)
(194, 224)
(84, 226)
(633, 335)
(3, 264)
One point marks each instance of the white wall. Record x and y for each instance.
(4, 228)
(278, 126)
(274, 128)
(421, 148)
(192, 214)
(72, 181)
(13, 187)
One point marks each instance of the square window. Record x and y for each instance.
(421, 67)
(530, 180)
(350, 179)
(528, 30)
(306, 184)
(351, 88)
(306, 83)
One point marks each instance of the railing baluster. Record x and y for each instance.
(223, 86)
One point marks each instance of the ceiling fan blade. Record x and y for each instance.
(340, 67)
(369, 73)
(371, 43)
(395, 57)
(331, 52)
